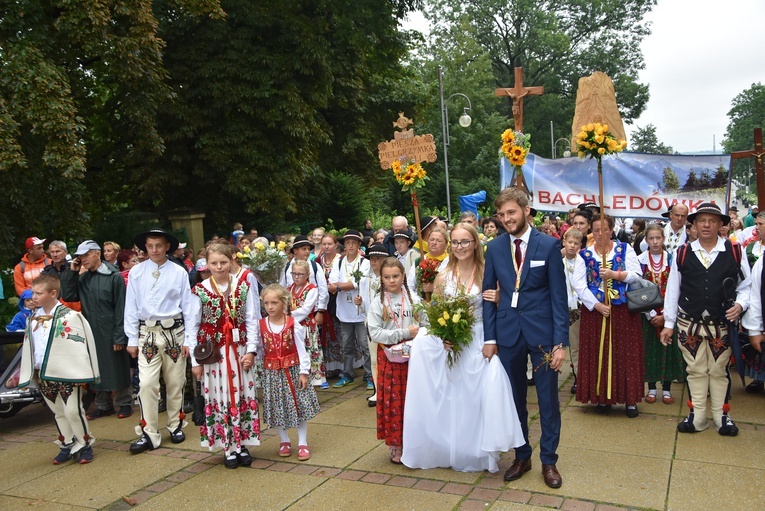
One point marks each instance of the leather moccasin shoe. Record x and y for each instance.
(517, 469)
(552, 476)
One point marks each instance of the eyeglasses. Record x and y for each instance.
(294, 275)
(461, 243)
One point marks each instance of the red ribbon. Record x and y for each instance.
(414, 200)
(228, 337)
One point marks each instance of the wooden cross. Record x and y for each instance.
(757, 154)
(517, 93)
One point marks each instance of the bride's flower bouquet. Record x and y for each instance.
(451, 319)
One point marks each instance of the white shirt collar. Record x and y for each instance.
(720, 247)
(41, 312)
(523, 237)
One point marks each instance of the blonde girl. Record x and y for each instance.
(305, 297)
(288, 399)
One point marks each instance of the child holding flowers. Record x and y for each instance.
(392, 320)
(289, 401)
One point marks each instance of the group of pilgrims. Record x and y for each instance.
(261, 351)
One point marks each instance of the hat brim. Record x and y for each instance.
(725, 218)
(140, 240)
(352, 237)
(428, 224)
(665, 214)
(301, 243)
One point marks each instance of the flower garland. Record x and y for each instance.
(515, 146)
(409, 174)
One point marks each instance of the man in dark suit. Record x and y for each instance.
(532, 312)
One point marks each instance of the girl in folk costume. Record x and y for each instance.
(610, 342)
(329, 326)
(755, 362)
(241, 273)
(392, 320)
(305, 295)
(289, 401)
(662, 363)
(226, 313)
(369, 291)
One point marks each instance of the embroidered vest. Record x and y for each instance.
(618, 263)
(701, 288)
(297, 302)
(280, 348)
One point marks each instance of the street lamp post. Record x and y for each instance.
(566, 153)
(464, 121)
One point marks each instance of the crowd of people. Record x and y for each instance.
(109, 325)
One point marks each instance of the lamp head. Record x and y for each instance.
(465, 119)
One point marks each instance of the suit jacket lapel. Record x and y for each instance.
(531, 251)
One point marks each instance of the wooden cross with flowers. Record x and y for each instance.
(757, 154)
(405, 155)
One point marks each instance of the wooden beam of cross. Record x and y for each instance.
(758, 153)
(517, 93)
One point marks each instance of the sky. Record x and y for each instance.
(699, 56)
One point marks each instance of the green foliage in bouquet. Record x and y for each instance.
(451, 319)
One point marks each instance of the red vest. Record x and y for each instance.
(280, 348)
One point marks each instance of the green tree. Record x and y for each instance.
(747, 113)
(80, 88)
(645, 140)
(720, 179)
(556, 42)
(669, 181)
(692, 183)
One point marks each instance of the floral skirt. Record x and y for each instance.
(391, 394)
(229, 423)
(318, 375)
(621, 353)
(280, 406)
(662, 363)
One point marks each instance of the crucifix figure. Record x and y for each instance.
(758, 155)
(517, 93)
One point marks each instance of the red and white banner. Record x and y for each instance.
(634, 184)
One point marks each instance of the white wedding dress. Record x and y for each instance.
(462, 417)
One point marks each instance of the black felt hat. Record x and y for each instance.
(377, 250)
(403, 235)
(140, 240)
(352, 234)
(711, 209)
(427, 221)
(301, 240)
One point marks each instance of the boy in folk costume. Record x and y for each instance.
(345, 279)
(157, 301)
(59, 356)
(696, 303)
(407, 256)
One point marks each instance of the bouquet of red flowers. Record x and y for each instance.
(427, 271)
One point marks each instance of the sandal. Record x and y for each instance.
(304, 453)
(285, 449)
(650, 398)
(667, 399)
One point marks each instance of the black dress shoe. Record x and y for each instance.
(177, 436)
(552, 476)
(231, 462)
(371, 403)
(530, 381)
(755, 387)
(245, 460)
(142, 445)
(573, 388)
(517, 469)
(632, 411)
(728, 428)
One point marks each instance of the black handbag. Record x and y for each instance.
(644, 298)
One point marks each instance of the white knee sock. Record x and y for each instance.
(303, 433)
(283, 434)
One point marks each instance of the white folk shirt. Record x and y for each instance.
(150, 298)
(346, 311)
(40, 334)
(752, 320)
(570, 266)
(672, 296)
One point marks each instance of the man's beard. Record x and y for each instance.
(520, 227)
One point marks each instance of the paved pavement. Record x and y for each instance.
(607, 462)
